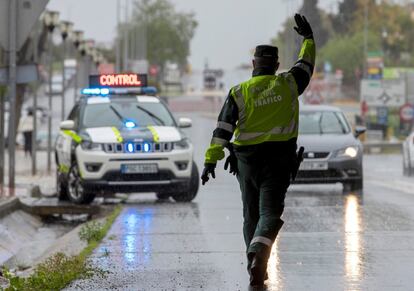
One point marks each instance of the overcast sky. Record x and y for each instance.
(227, 31)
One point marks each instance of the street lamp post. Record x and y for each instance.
(65, 31)
(77, 38)
(86, 49)
(51, 20)
(96, 57)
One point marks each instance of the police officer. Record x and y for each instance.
(262, 114)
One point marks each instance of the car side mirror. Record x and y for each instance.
(67, 125)
(359, 130)
(184, 122)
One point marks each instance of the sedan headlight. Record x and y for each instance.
(182, 144)
(349, 152)
(91, 146)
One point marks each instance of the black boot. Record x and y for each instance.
(257, 271)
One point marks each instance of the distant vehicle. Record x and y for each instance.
(333, 153)
(408, 155)
(124, 142)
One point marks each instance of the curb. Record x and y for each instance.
(8, 206)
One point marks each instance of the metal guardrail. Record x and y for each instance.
(382, 145)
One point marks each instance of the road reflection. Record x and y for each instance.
(138, 224)
(273, 268)
(353, 240)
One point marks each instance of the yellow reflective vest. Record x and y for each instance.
(268, 108)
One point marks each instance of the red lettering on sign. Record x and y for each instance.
(120, 80)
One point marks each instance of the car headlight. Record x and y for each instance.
(349, 152)
(91, 146)
(182, 144)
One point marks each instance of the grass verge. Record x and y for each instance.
(59, 270)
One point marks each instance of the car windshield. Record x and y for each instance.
(117, 113)
(323, 122)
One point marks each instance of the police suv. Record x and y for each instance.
(119, 137)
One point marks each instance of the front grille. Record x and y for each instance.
(332, 173)
(119, 177)
(138, 147)
(315, 155)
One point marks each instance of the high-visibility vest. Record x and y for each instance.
(268, 109)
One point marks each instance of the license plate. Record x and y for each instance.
(139, 169)
(313, 166)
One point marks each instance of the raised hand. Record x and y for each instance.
(303, 27)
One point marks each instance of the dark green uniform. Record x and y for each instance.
(262, 115)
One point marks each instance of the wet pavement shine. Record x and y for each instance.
(330, 241)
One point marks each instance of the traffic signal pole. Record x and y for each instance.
(12, 92)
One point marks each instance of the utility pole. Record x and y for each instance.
(50, 104)
(126, 37)
(2, 133)
(51, 20)
(63, 105)
(65, 31)
(2, 143)
(34, 134)
(365, 38)
(118, 37)
(12, 92)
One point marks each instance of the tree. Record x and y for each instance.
(345, 18)
(347, 54)
(168, 32)
(315, 17)
(286, 42)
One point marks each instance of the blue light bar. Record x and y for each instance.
(149, 90)
(95, 91)
(119, 91)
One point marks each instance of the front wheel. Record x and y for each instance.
(191, 192)
(76, 191)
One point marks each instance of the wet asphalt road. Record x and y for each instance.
(330, 240)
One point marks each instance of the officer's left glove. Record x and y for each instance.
(303, 27)
(232, 162)
(209, 169)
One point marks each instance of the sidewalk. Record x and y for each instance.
(24, 178)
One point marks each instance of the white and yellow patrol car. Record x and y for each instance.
(126, 141)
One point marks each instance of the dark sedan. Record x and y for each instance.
(333, 153)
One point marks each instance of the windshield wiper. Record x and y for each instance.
(152, 115)
(119, 115)
(320, 125)
(340, 123)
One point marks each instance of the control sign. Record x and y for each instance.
(118, 80)
(407, 112)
